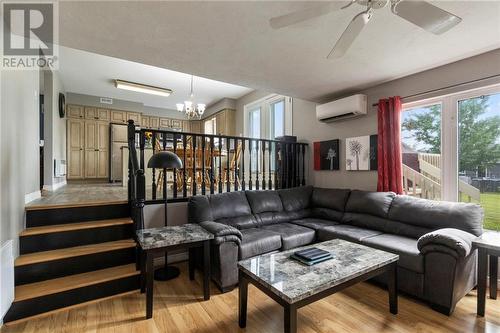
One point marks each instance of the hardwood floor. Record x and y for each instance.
(179, 307)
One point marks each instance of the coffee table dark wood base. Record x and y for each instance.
(290, 310)
(147, 269)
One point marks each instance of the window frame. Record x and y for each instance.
(265, 104)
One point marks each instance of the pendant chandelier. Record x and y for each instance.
(192, 110)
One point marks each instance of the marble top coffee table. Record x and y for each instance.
(155, 242)
(294, 285)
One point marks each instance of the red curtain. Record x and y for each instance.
(390, 176)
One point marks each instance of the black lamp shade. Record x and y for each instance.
(165, 160)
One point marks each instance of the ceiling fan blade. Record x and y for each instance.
(306, 14)
(349, 35)
(426, 16)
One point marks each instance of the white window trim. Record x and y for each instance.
(449, 134)
(265, 120)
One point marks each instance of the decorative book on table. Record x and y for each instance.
(311, 256)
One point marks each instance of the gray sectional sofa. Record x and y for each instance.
(433, 239)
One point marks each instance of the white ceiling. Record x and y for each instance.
(93, 74)
(232, 42)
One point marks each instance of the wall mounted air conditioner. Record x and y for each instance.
(345, 108)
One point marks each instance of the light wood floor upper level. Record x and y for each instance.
(179, 307)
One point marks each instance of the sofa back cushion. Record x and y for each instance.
(296, 198)
(371, 203)
(329, 203)
(199, 209)
(264, 201)
(435, 215)
(232, 208)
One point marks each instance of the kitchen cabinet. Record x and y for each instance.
(135, 116)
(196, 126)
(119, 117)
(165, 122)
(225, 122)
(75, 148)
(75, 111)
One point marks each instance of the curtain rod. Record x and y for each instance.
(448, 87)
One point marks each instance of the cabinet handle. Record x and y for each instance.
(96, 149)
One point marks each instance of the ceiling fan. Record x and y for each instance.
(420, 13)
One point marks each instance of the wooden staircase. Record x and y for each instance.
(71, 255)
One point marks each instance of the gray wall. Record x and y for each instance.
(308, 129)
(19, 149)
(82, 99)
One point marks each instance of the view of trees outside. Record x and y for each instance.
(479, 146)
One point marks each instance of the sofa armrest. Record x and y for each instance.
(222, 232)
(449, 240)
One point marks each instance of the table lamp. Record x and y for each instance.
(165, 160)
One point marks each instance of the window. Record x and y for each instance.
(274, 117)
(451, 149)
(254, 123)
(277, 115)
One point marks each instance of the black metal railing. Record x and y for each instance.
(136, 180)
(212, 164)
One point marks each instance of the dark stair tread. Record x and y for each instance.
(48, 287)
(74, 226)
(37, 257)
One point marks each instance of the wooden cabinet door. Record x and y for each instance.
(176, 123)
(145, 122)
(103, 114)
(220, 123)
(136, 117)
(186, 127)
(165, 123)
(154, 122)
(102, 149)
(74, 111)
(75, 146)
(195, 126)
(91, 135)
(102, 133)
(102, 164)
(90, 113)
(91, 157)
(119, 117)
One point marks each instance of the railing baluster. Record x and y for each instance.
(303, 165)
(269, 153)
(154, 188)
(285, 166)
(250, 143)
(175, 170)
(228, 171)
(184, 174)
(194, 185)
(294, 164)
(257, 164)
(220, 165)
(142, 144)
(263, 143)
(212, 177)
(203, 184)
(164, 170)
(236, 158)
(243, 185)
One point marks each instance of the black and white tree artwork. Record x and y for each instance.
(332, 154)
(358, 153)
(326, 155)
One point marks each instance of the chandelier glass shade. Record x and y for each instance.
(191, 109)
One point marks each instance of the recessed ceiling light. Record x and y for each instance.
(143, 88)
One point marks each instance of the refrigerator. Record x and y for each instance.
(118, 139)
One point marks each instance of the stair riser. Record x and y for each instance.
(44, 217)
(39, 305)
(74, 265)
(59, 240)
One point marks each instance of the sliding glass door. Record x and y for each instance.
(451, 149)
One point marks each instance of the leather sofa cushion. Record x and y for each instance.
(331, 198)
(296, 198)
(257, 241)
(292, 235)
(313, 223)
(327, 214)
(199, 209)
(437, 214)
(409, 256)
(372, 203)
(240, 222)
(229, 204)
(264, 201)
(385, 225)
(346, 232)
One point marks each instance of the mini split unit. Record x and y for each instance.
(345, 108)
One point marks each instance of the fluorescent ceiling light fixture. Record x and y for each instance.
(142, 88)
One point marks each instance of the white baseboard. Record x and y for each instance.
(55, 186)
(6, 277)
(32, 196)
